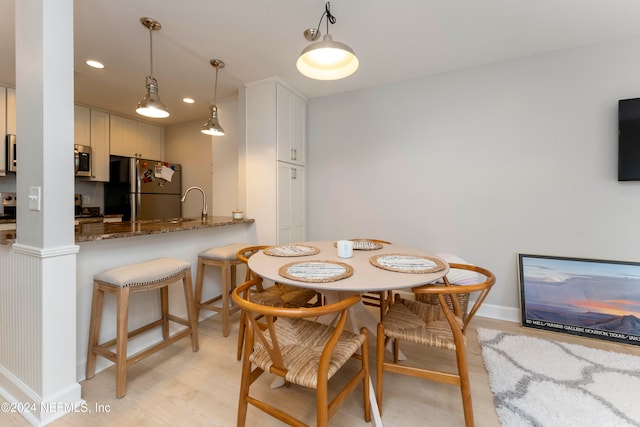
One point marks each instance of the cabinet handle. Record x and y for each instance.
(294, 173)
(295, 154)
(292, 156)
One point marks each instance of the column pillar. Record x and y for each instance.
(43, 369)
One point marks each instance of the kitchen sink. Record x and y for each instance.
(180, 220)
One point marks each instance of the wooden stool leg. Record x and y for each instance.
(94, 328)
(198, 295)
(233, 278)
(191, 310)
(164, 309)
(225, 287)
(122, 331)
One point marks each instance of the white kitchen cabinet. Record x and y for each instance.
(123, 134)
(273, 198)
(150, 141)
(99, 146)
(291, 203)
(81, 125)
(91, 127)
(11, 111)
(131, 138)
(3, 110)
(291, 126)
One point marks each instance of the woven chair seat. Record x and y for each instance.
(301, 343)
(419, 323)
(436, 312)
(280, 295)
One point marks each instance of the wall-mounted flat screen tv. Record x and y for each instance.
(629, 139)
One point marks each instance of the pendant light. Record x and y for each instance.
(326, 59)
(150, 105)
(212, 127)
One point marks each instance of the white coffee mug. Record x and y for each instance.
(345, 248)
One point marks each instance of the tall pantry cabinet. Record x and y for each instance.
(275, 161)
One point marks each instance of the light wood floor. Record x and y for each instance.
(178, 387)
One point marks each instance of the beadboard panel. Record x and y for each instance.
(21, 317)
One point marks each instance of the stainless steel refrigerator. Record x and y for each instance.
(140, 189)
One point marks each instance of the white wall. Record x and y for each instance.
(519, 156)
(212, 162)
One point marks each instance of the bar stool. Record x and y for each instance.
(225, 258)
(122, 281)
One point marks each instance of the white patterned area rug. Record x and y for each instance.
(544, 383)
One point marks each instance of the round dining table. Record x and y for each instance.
(366, 277)
(368, 270)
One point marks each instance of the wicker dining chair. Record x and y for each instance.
(437, 318)
(278, 295)
(301, 351)
(379, 299)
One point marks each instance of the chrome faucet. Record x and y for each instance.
(203, 215)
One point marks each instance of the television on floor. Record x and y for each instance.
(629, 139)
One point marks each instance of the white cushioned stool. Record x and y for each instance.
(122, 281)
(225, 258)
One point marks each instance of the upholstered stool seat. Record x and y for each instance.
(225, 258)
(122, 281)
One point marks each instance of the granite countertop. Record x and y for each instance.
(114, 230)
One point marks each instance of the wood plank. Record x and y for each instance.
(177, 386)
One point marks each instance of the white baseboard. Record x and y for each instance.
(36, 410)
(498, 312)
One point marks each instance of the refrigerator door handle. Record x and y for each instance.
(135, 206)
(134, 175)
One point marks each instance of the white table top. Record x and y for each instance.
(366, 277)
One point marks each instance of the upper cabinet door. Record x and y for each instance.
(291, 129)
(3, 129)
(131, 138)
(123, 136)
(99, 146)
(81, 125)
(11, 111)
(150, 141)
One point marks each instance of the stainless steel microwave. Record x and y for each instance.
(11, 153)
(82, 156)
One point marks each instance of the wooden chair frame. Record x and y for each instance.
(257, 333)
(243, 256)
(447, 295)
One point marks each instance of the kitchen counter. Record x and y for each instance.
(96, 231)
(109, 245)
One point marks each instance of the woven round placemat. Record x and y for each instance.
(316, 271)
(363, 245)
(406, 263)
(291, 250)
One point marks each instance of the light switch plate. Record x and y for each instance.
(86, 199)
(35, 195)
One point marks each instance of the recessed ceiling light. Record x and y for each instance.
(94, 64)
(188, 100)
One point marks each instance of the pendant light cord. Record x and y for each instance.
(215, 88)
(330, 19)
(151, 51)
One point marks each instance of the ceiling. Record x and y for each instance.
(395, 40)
